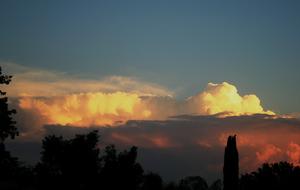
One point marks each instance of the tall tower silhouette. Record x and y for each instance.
(231, 165)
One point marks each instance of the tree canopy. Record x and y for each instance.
(7, 124)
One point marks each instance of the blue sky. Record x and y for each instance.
(182, 45)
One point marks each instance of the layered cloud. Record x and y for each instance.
(61, 99)
(33, 82)
(99, 108)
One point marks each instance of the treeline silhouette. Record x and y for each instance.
(77, 163)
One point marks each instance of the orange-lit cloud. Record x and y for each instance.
(293, 153)
(224, 97)
(99, 108)
(269, 151)
(58, 98)
(88, 109)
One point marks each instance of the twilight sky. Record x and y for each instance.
(172, 77)
(181, 45)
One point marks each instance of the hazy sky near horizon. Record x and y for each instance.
(181, 45)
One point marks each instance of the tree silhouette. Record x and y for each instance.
(121, 171)
(277, 176)
(231, 165)
(76, 164)
(9, 166)
(70, 163)
(7, 124)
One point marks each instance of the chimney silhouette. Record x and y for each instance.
(231, 165)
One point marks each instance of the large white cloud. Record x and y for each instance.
(224, 97)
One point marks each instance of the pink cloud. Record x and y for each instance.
(293, 153)
(268, 153)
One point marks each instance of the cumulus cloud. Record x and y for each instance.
(224, 97)
(103, 109)
(54, 98)
(87, 109)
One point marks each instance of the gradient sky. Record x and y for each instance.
(182, 45)
(126, 67)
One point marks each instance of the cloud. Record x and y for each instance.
(269, 151)
(293, 153)
(87, 109)
(50, 97)
(34, 82)
(224, 97)
(57, 98)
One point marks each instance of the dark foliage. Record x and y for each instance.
(10, 168)
(13, 175)
(69, 163)
(121, 171)
(276, 176)
(7, 124)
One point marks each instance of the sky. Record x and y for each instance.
(182, 45)
(124, 66)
